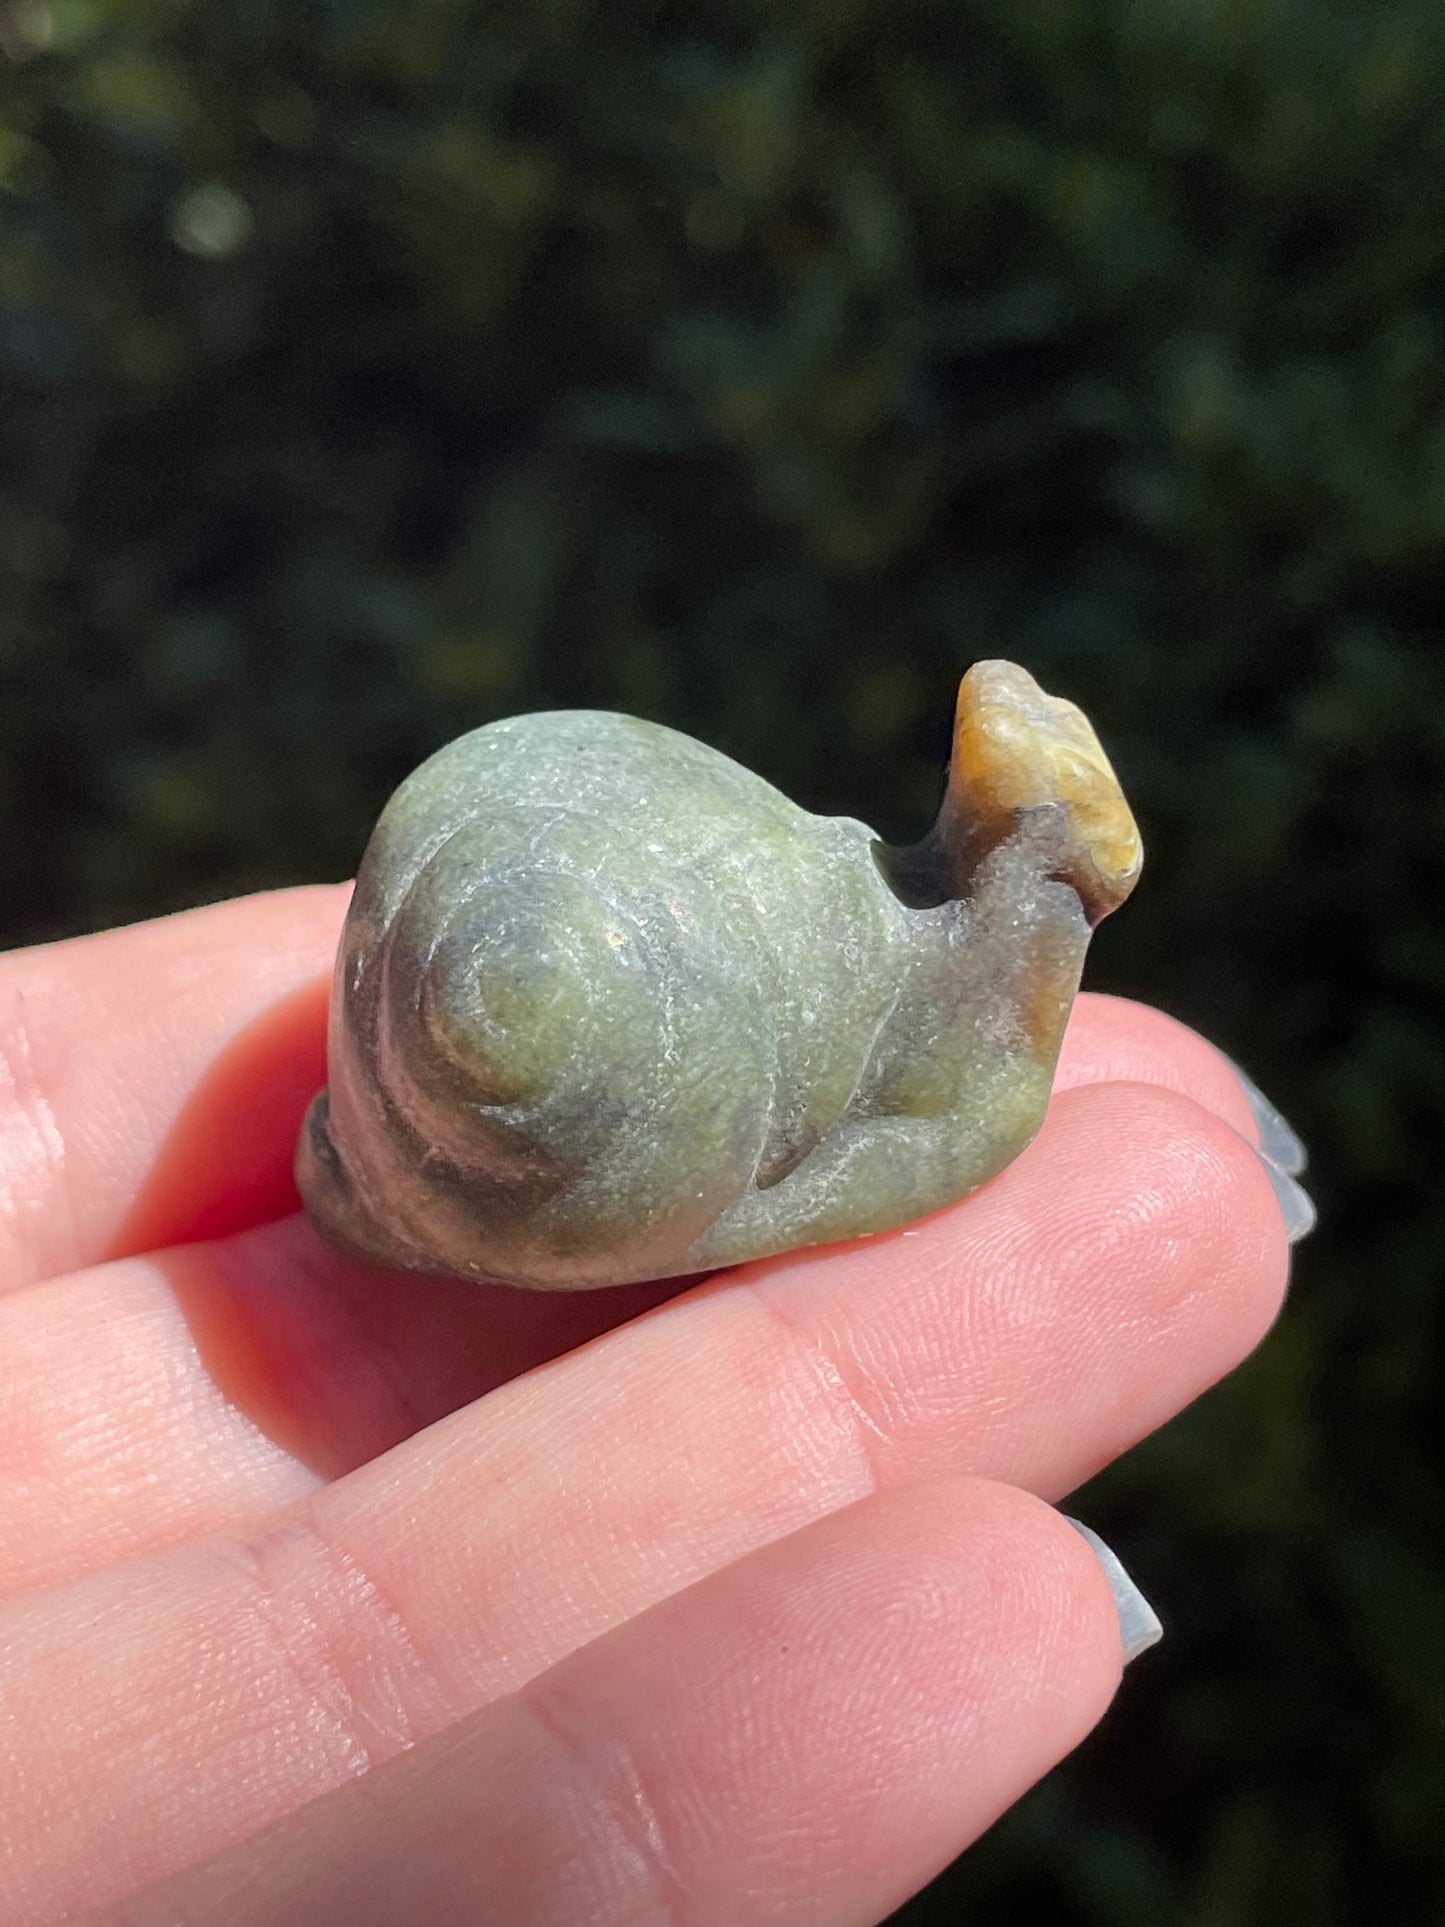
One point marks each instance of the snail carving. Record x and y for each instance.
(609, 1007)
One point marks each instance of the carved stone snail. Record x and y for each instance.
(609, 1007)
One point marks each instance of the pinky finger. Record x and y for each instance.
(808, 1735)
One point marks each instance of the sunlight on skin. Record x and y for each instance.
(171, 1419)
(885, 1650)
(153, 1079)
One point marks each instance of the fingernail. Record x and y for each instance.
(1295, 1202)
(1277, 1141)
(1139, 1626)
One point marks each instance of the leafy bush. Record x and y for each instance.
(369, 371)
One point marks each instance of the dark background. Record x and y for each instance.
(367, 372)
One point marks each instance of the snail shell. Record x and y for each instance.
(608, 1006)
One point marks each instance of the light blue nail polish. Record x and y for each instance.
(1277, 1141)
(1295, 1203)
(1139, 1626)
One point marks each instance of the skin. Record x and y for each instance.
(333, 1595)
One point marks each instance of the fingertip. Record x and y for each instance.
(1140, 1627)
(1179, 1166)
(1070, 1589)
(915, 1660)
(1115, 1040)
(1040, 1607)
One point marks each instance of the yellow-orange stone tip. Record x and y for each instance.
(1017, 749)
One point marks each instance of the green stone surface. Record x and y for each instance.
(609, 1007)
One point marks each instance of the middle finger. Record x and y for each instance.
(1123, 1263)
(157, 1398)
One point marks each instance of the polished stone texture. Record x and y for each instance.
(609, 1007)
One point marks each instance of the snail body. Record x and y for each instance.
(609, 1007)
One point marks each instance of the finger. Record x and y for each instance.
(196, 1391)
(251, 1368)
(331, 1361)
(153, 1080)
(1113, 1040)
(1117, 1268)
(808, 1736)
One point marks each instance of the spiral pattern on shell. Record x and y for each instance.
(608, 1007)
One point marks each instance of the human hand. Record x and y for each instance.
(328, 1595)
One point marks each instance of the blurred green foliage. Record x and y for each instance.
(367, 371)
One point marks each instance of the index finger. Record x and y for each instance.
(153, 1079)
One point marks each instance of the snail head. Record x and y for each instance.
(1021, 757)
